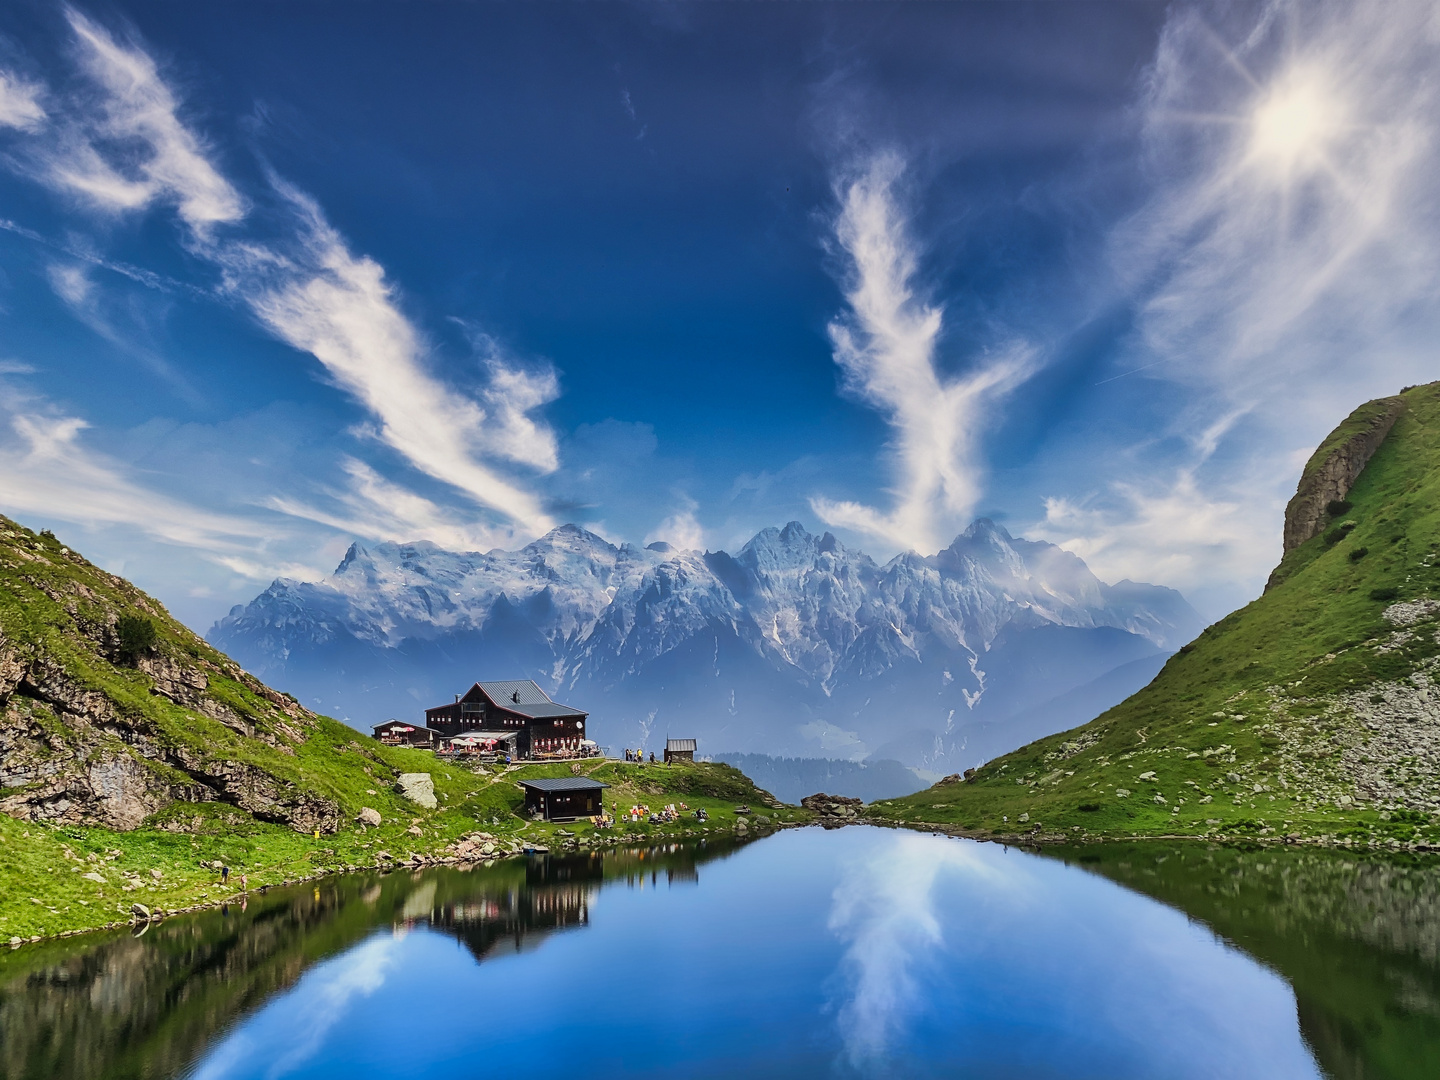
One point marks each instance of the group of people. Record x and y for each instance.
(638, 756)
(658, 817)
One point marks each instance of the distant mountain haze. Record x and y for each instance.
(793, 646)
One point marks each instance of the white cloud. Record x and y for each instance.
(1298, 218)
(341, 309)
(129, 149)
(135, 149)
(1284, 266)
(681, 529)
(376, 508)
(20, 103)
(45, 469)
(1167, 532)
(886, 347)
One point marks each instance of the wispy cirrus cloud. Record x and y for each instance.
(340, 308)
(374, 507)
(125, 148)
(47, 469)
(20, 103)
(1283, 266)
(887, 348)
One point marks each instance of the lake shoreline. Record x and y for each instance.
(415, 861)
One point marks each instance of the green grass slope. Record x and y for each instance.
(127, 772)
(1312, 713)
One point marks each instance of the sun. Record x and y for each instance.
(1294, 121)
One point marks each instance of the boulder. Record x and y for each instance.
(140, 911)
(418, 787)
(833, 809)
(368, 816)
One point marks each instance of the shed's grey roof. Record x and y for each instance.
(565, 783)
(680, 744)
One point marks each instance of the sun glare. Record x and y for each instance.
(1293, 122)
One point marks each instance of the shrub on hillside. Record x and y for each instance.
(137, 637)
(1385, 595)
(1336, 507)
(1359, 553)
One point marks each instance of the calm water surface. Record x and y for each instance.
(855, 952)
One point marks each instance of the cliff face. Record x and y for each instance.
(97, 731)
(1334, 467)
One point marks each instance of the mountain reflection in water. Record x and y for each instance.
(147, 1004)
(861, 952)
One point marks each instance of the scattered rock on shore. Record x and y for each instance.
(833, 809)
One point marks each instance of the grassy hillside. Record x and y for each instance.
(1310, 713)
(133, 755)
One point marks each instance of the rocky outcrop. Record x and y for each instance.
(91, 737)
(1335, 466)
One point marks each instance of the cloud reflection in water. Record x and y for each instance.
(884, 910)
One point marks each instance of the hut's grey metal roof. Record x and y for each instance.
(501, 692)
(565, 783)
(534, 702)
(680, 744)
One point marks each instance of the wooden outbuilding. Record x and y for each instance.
(399, 733)
(679, 750)
(564, 798)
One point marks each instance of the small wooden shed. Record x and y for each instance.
(564, 798)
(679, 750)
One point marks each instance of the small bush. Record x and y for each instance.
(1088, 807)
(1334, 536)
(1336, 507)
(137, 637)
(1359, 553)
(1385, 595)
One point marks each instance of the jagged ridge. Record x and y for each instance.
(791, 641)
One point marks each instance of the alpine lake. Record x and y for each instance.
(808, 953)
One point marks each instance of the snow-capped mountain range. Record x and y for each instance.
(793, 645)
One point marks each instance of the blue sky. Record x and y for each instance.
(277, 277)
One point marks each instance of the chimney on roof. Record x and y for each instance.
(457, 699)
(515, 697)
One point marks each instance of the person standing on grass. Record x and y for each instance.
(244, 882)
(224, 874)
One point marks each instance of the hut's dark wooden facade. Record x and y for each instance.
(518, 706)
(565, 798)
(679, 750)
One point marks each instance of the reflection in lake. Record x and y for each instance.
(857, 952)
(1357, 938)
